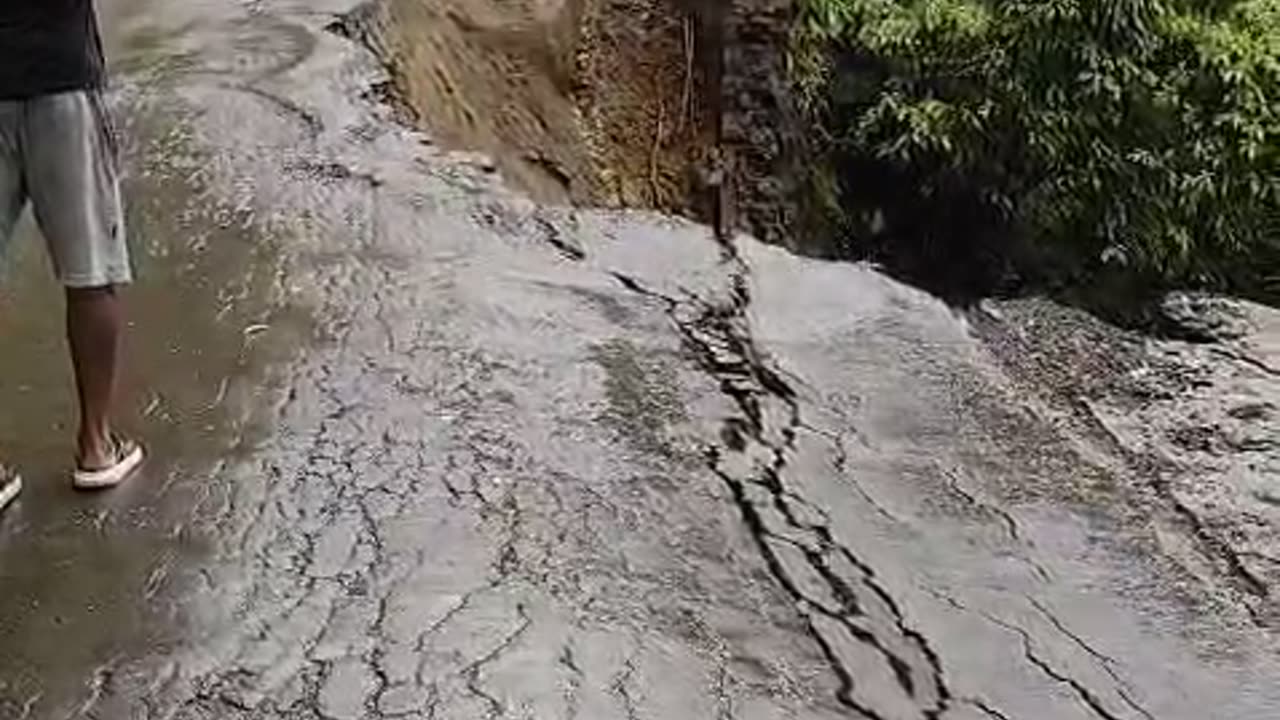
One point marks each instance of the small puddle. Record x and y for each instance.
(88, 579)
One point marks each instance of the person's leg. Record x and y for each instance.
(72, 172)
(93, 330)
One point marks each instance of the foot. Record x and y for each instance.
(125, 457)
(10, 485)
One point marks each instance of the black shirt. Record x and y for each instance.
(48, 46)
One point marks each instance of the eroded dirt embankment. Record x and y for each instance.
(679, 105)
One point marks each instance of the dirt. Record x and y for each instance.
(489, 76)
(616, 103)
(557, 93)
(640, 97)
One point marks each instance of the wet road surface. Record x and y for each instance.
(424, 449)
(81, 576)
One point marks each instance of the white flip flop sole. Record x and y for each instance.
(9, 489)
(112, 476)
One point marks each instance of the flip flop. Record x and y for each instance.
(127, 455)
(10, 486)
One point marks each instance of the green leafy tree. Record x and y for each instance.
(1061, 137)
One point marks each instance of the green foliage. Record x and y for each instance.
(1085, 135)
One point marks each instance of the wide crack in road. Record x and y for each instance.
(519, 461)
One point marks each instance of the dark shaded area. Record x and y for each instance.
(939, 237)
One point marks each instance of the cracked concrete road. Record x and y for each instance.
(428, 450)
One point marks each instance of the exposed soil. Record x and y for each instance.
(623, 103)
(570, 103)
(492, 76)
(640, 101)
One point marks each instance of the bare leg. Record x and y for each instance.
(93, 329)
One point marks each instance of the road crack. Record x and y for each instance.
(1088, 698)
(567, 660)
(1012, 528)
(622, 688)
(719, 337)
(474, 671)
(1106, 662)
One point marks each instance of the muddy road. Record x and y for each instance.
(423, 448)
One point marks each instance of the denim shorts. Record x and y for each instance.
(60, 152)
